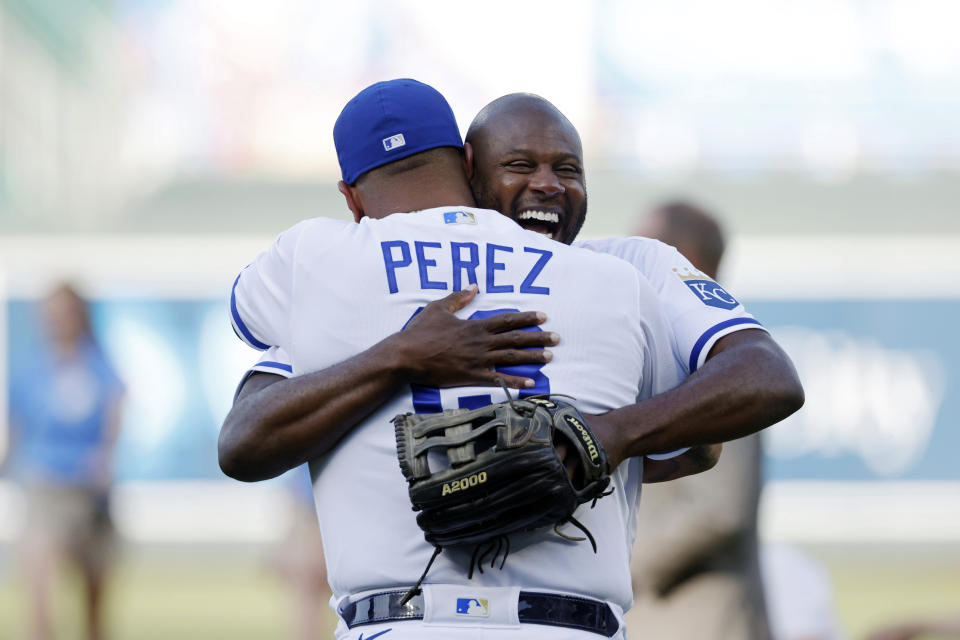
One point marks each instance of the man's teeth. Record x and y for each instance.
(539, 215)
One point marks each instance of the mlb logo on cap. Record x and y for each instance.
(393, 142)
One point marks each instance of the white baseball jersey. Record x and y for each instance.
(699, 310)
(329, 289)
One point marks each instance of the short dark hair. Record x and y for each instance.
(693, 225)
(429, 157)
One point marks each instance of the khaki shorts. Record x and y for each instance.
(74, 519)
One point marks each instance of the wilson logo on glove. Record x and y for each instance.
(585, 438)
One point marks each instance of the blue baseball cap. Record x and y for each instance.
(391, 120)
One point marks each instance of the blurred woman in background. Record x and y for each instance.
(65, 406)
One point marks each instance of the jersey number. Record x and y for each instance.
(428, 400)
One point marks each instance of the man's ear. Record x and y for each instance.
(354, 202)
(468, 167)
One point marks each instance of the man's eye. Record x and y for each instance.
(569, 168)
(519, 164)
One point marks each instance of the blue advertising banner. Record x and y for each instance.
(882, 381)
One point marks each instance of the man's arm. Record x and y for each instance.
(278, 423)
(695, 460)
(747, 384)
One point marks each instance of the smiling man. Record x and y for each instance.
(528, 164)
(526, 161)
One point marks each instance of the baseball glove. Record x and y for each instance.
(476, 476)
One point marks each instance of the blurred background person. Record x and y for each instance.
(695, 566)
(65, 408)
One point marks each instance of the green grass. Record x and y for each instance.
(154, 598)
(190, 596)
(875, 591)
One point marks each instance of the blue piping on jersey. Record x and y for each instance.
(712, 331)
(247, 336)
(274, 365)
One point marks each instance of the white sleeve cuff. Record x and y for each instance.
(668, 455)
(707, 339)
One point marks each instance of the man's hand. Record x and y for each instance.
(438, 349)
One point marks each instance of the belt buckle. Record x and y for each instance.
(383, 606)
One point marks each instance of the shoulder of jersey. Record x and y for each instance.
(321, 222)
(629, 244)
(643, 253)
(602, 259)
(318, 229)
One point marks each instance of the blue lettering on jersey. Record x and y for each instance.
(527, 285)
(464, 259)
(423, 263)
(493, 266)
(711, 294)
(391, 264)
(460, 265)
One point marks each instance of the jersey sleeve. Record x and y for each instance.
(261, 294)
(660, 370)
(698, 309)
(274, 360)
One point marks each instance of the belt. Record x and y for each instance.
(552, 609)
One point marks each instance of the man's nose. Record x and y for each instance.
(546, 182)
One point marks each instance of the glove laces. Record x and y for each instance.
(578, 525)
(497, 544)
(415, 589)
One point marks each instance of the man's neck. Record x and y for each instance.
(412, 198)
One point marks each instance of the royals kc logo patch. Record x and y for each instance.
(708, 291)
